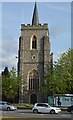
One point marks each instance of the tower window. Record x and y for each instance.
(33, 80)
(34, 42)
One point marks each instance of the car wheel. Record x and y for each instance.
(72, 111)
(8, 109)
(52, 111)
(35, 111)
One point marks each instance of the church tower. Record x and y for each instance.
(33, 60)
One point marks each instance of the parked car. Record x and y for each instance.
(70, 109)
(45, 108)
(6, 106)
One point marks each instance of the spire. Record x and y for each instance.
(35, 19)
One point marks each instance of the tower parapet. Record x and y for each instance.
(29, 26)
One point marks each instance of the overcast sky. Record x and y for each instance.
(56, 14)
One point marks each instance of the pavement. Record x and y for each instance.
(16, 118)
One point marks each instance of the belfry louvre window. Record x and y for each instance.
(34, 42)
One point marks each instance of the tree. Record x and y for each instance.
(15, 85)
(63, 68)
(5, 82)
(5, 72)
(0, 83)
(61, 79)
(10, 85)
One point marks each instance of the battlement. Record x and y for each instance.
(39, 26)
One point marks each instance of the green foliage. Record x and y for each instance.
(60, 80)
(0, 85)
(10, 84)
(63, 72)
(6, 72)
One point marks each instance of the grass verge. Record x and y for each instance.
(23, 106)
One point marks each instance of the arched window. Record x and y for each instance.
(34, 42)
(33, 80)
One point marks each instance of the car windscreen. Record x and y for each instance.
(8, 103)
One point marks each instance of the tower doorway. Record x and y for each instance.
(33, 99)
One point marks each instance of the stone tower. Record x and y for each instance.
(33, 60)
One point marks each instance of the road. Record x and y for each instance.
(22, 113)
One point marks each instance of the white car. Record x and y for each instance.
(45, 108)
(7, 106)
